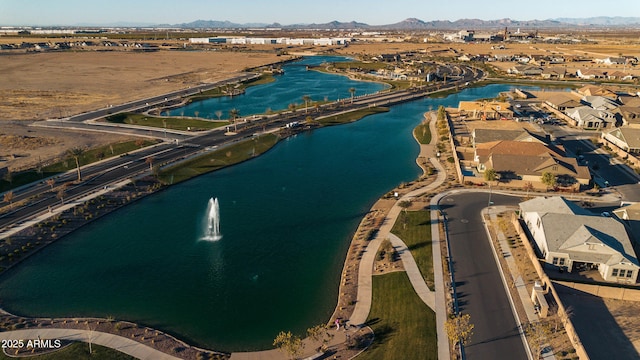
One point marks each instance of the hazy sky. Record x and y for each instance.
(373, 12)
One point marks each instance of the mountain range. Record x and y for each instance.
(417, 24)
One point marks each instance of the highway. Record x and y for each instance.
(479, 285)
(104, 173)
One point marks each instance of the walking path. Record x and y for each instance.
(116, 342)
(433, 299)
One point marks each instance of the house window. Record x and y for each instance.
(614, 272)
(561, 261)
(555, 261)
(622, 273)
(629, 273)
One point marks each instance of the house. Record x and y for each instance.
(563, 101)
(590, 74)
(619, 75)
(593, 90)
(487, 110)
(589, 118)
(630, 215)
(630, 115)
(626, 138)
(480, 136)
(600, 103)
(569, 238)
(525, 70)
(554, 73)
(516, 160)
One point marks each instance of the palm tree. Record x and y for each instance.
(75, 153)
(306, 99)
(352, 91)
(233, 115)
(219, 114)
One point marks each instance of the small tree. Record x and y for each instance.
(219, 114)
(8, 197)
(288, 343)
(459, 329)
(528, 186)
(61, 194)
(491, 175)
(537, 334)
(549, 179)
(51, 182)
(149, 161)
(405, 204)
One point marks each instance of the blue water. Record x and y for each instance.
(286, 218)
(286, 89)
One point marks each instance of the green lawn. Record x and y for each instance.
(423, 133)
(352, 116)
(405, 328)
(218, 159)
(417, 236)
(172, 123)
(77, 351)
(89, 156)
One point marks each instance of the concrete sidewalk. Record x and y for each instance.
(514, 276)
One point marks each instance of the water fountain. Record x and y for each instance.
(212, 226)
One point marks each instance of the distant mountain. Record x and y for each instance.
(333, 25)
(214, 24)
(602, 21)
(417, 24)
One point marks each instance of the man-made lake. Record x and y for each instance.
(286, 220)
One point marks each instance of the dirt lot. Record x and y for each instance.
(53, 85)
(23, 146)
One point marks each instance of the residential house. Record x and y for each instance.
(593, 90)
(569, 238)
(619, 75)
(590, 74)
(486, 110)
(554, 73)
(525, 70)
(626, 138)
(630, 215)
(563, 101)
(630, 115)
(480, 136)
(589, 118)
(516, 160)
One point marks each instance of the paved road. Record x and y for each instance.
(479, 285)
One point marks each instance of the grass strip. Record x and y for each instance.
(404, 327)
(172, 123)
(417, 235)
(218, 159)
(351, 116)
(422, 133)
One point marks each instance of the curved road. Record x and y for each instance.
(480, 289)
